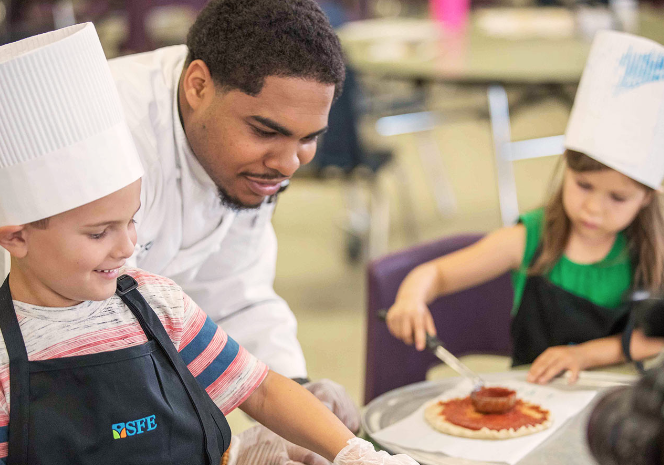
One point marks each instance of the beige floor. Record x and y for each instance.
(327, 293)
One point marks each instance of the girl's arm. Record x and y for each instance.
(642, 347)
(298, 416)
(409, 318)
(595, 353)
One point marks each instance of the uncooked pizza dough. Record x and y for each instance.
(458, 417)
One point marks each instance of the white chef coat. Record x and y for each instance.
(225, 260)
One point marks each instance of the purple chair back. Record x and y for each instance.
(476, 320)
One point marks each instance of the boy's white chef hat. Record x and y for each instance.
(618, 113)
(63, 137)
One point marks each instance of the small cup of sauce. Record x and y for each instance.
(493, 399)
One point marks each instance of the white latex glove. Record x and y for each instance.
(361, 452)
(260, 446)
(335, 398)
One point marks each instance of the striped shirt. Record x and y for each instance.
(226, 370)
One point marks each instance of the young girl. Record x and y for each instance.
(598, 238)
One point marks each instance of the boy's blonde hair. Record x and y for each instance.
(645, 235)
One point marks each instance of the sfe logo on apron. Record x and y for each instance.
(130, 428)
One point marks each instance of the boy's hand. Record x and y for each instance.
(335, 398)
(259, 445)
(361, 452)
(553, 361)
(410, 320)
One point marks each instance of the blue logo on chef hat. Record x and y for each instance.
(639, 69)
(132, 428)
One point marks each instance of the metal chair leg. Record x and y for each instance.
(500, 128)
(357, 221)
(434, 169)
(422, 124)
(379, 227)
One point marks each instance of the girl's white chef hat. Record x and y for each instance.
(63, 137)
(618, 113)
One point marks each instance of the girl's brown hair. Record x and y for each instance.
(645, 235)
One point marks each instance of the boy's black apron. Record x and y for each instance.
(551, 316)
(138, 405)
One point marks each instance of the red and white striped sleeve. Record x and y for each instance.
(225, 369)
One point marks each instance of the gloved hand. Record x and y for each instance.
(260, 446)
(335, 397)
(361, 452)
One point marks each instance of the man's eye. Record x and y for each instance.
(263, 133)
(310, 139)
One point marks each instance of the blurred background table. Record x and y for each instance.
(419, 49)
(536, 53)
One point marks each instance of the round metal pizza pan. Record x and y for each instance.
(566, 446)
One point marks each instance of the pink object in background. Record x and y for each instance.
(452, 14)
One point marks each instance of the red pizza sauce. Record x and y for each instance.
(462, 413)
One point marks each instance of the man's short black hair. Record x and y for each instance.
(244, 41)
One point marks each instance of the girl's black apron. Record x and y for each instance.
(138, 405)
(551, 316)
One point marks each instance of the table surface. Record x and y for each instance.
(566, 446)
(411, 48)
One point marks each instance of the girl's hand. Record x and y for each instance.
(410, 320)
(553, 361)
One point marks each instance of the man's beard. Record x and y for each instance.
(234, 203)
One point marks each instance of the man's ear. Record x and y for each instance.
(197, 84)
(13, 239)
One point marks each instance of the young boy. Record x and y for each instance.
(107, 364)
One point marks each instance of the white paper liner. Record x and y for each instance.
(415, 433)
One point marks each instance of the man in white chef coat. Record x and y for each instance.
(221, 124)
